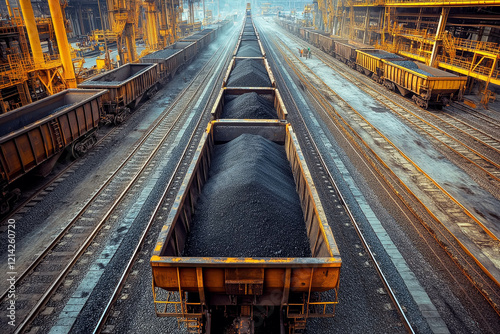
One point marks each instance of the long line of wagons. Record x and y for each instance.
(34, 136)
(227, 254)
(425, 85)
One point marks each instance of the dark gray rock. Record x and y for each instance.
(248, 106)
(249, 206)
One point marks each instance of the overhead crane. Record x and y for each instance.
(25, 71)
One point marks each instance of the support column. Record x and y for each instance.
(439, 33)
(80, 19)
(191, 12)
(367, 25)
(203, 20)
(34, 38)
(151, 24)
(62, 43)
(130, 40)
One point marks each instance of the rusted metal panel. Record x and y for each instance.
(126, 84)
(36, 132)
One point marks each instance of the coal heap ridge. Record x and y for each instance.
(248, 106)
(411, 65)
(249, 206)
(249, 49)
(249, 73)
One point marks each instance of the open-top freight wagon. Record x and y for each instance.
(266, 103)
(201, 38)
(170, 59)
(202, 291)
(371, 62)
(249, 72)
(426, 85)
(35, 136)
(126, 86)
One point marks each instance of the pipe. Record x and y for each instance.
(62, 42)
(29, 21)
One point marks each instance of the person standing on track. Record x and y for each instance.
(301, 52)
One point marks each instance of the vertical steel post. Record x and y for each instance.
(62, 42)
(29, 21)
(439, 34)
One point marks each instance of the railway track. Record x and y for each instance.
(462, 108)
(163, 205)
(332, 102)
(174, 181)
(474, 146)
(57, 259)
(310, 146)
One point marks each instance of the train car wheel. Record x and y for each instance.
(4, 206)
(78, 150)
(8, 199)
(119, 118)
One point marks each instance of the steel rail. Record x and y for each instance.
(379, 271)
(475, 113)
(479, 286)
(108, 213)
(118, 287)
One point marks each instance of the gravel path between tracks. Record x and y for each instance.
(249, 206)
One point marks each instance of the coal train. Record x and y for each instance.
(425, 85)
(246, 247)
(35, 136)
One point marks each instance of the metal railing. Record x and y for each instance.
(465, 63)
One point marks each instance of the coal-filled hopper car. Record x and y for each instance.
(35, 136)
(225, 259)
(126, 86)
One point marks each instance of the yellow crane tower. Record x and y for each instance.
(324, 14)
(124, 15)
(161, 25)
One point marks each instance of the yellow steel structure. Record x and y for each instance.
(62, 43)
(152, 24)
(161, 25)
(378, 22)
(34, 39)
(23, 70)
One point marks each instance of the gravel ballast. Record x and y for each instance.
(248, 106)
(249, 206)
(249, 73)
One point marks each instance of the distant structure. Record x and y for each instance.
(460, 36)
